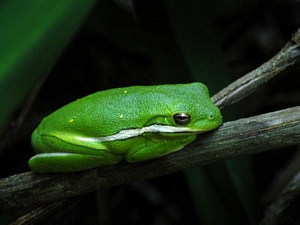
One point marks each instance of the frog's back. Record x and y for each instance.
(107, 112)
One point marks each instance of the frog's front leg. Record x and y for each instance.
(150, 147)
(71, 162)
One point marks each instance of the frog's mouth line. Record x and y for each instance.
(130, 133)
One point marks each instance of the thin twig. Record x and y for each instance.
(41, 213)
(244, 86)
(275, 210)
(14, 126)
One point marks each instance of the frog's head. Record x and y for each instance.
(188, 110)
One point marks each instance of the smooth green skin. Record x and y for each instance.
(108, 112)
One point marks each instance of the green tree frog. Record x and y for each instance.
(137, 123)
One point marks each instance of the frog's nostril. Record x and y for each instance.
(211, 117)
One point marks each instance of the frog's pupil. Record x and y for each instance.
(182, 118)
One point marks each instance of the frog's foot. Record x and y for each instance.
(71, 162)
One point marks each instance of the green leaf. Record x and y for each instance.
(33, 35)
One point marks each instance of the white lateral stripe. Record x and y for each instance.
(130, 133)
(60, 154)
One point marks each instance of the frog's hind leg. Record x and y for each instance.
(70, 162)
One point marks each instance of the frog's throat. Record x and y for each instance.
(130, 133)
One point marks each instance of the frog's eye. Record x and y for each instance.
(182, 118)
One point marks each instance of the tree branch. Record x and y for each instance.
(233, 139)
